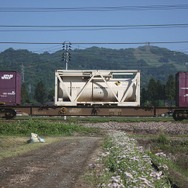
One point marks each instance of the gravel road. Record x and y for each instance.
(55, 165)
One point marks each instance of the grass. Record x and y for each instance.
(120, 119)
(175, 148)
(11, 146)
(101, 119)
(96, 119)
(41, 127)
(125, 119)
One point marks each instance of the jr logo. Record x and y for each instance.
(7, 76)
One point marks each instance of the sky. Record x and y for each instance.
(44, 25)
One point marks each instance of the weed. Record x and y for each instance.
(162, 139)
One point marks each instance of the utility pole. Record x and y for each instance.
(148, 47)
(66, 53)
(66, 57)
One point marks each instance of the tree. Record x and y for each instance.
(51, 95)
(24, 94)
(143, 99)
(170, 89)
(152, 91)
(40, 92)
(161, 95)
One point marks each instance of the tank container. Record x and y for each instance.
(118, 87)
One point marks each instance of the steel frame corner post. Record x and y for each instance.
(56, 88)
(59, 81)
(138, 88)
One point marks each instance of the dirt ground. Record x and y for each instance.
(56, 165)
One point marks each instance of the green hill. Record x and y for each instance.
(153, 62)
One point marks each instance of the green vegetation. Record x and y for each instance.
(44, 128)
(97, 119)
(11, 146)
(159, 94)
(120, 119)
(177, 149)
(173, 150)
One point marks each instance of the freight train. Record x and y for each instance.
(91, 92)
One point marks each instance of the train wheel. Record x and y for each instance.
(9, 113)
(177, 116)
(62, 111)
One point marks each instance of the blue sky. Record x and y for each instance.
(88, 18)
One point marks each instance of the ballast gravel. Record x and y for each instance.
(144, 127)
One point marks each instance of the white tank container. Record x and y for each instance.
(90, 87)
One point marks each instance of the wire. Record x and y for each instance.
(95, 26)
(96, 43)
(107, 8)
(50, 28)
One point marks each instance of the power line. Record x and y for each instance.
(95, 26)
(105, 8)
(95, 43)
(19, 28)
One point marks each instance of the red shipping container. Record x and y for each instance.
(10, 87)
(182, 89)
